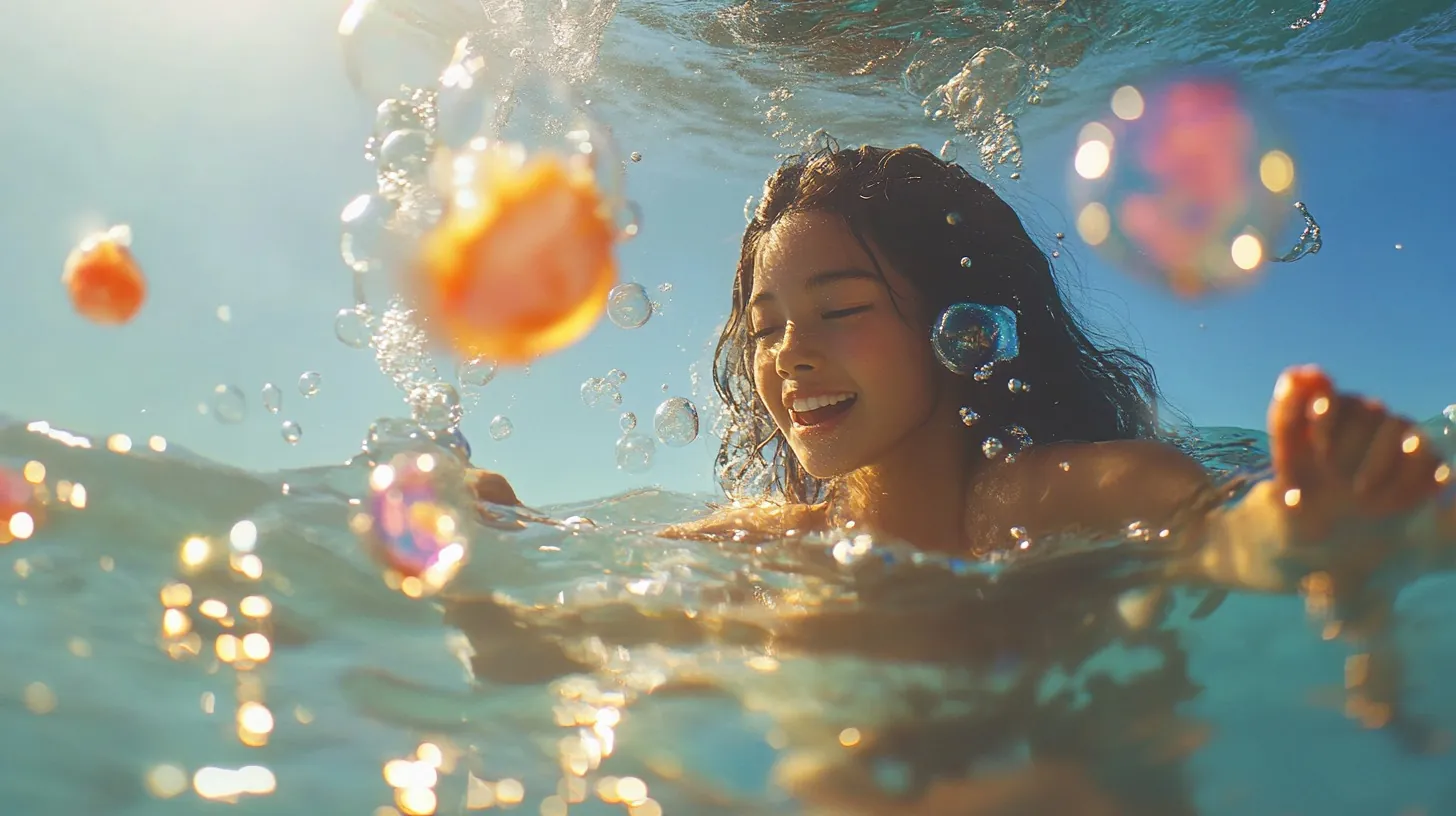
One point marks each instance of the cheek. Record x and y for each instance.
(892, 359)
(767, 384)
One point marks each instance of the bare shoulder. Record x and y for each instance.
(1097, 485)
(755, 522)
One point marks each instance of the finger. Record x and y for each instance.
(1419, 476)
(1352, 437)
(1294, 459)
(1383, 458)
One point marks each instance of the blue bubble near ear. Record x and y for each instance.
(968, 336)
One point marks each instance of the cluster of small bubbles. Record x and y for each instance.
(992, 447)
(616, 376)
(500, 427)
(984, 373)
(628, 422)
(599, 392)
(966, 262)
(308, 383)
(291, 431)
(272, 398)
(476, 373)
(636, 157)
(401, 349)
(969, 336)
(1183, 184)
(1017, 386)
(634, 452)
(1309, 242)
(1017, 439)
(352, 326)
(628, 306)
(968, 416)
(676, 422)
(436, 406)
(229, 404)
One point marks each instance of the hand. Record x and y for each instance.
(1345, 464)
(491, 487)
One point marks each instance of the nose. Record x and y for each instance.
(797, 352)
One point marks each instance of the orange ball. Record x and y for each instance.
(104, 280)
(521, 262)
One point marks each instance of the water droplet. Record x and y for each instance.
(636, 157)
(292, 432)
(476, 373)
(628, 306)
(229, 404)
(969, 417)
(676, 422)
(992, 447)
(634, 452)
(965, 263)
(970, 335)
(617, 376)
(628, 422)
(1016, 386)
(351, 326)
(308, 384)
(500, 428)
(272, 398)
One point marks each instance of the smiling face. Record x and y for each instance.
(845, 370)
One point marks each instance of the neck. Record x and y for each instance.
(917, 492)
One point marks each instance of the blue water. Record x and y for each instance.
(232, 168)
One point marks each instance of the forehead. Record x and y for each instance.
(802, 244)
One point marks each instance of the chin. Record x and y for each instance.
(824, 466)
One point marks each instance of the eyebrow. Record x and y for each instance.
(821, 279)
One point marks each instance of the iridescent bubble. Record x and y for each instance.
(634, 452)
(500, 428)
(969, 336)
(407, 525)
(628, 422)
(292, 432)
(476, 373)
(272, 398)
(352, 326)
(229, 404)
(1184, 183)
(628, 306)
(676, 422)
(309, 382)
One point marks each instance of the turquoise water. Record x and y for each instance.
(229, 137)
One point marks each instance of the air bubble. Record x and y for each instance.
(636, 157)
(598, 392)
(634, 452)
(676, 422)
(436, 407)
(404, 162)
(272, 398)
(476, 373)
(292, 432)
(972, 335)
(617, 376)
(969, 417)
(628, 306)
(1016, 386)
(308, 383)
(992, 447)
(628, 422)
(500, 428)
(351, 326)
(229, 404)
(965, 263)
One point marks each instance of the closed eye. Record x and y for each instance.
(763, 332)
(853, 310)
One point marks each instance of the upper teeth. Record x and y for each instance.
(814, 403)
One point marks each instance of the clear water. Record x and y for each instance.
(739, 671)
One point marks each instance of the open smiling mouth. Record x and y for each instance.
(818, 411)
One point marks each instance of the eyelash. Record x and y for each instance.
(834, 314)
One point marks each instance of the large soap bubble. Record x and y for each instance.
(970, 336)
(1183, 183)
(407, 525)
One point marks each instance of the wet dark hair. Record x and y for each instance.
(925, 216)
